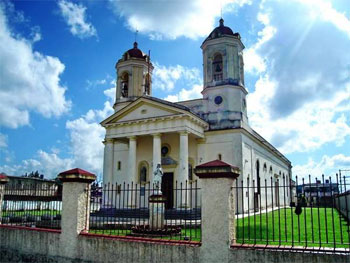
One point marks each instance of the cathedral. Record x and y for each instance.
(145, 131)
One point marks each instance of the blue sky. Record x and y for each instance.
(57, 74)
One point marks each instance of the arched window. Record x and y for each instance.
(147, 84)
(270, 171)
(190, 172)
(217, 67)
(143, 173)
(125, 85)
(258, 176)
(220, 156)
(265, 167)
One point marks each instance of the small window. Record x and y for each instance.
(217, 68)
(125, 85)
(190, 172)
(119, 167)
(219, 156)
(165, 150)
(143, 175)
(270, 170)
(265, 167)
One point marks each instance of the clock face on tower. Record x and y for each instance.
(218, 100)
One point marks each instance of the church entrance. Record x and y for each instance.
(167, 189)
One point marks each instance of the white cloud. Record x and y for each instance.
(325, 11)
(110, 93)
(29, 80)
(186, 94)
(328, 165)
(86, 136)
(302, 98)
(172, 19)
(85, 150)
(49, 164)
(306, 129)
(253, 62)
(172, 77)
(75, 17)
(165, 78)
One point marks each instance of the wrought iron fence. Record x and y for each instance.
(132, 210)
(301, 213)
(32, 205)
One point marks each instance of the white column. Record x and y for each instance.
(183, 169)
(183, 172)
(157, 142)
(132, 160)
(108, 161)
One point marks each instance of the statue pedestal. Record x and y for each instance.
(156, 211)
(156, 226)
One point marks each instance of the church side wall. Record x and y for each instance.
(219, 143)
(253, 152)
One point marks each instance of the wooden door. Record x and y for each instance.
(168, 189)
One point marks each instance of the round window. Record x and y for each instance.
(165, 150)
(218, 100)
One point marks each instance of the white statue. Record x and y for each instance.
(157, 179)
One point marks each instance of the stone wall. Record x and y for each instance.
(20, 245)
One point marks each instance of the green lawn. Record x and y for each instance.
(329, 229)
(30, 212)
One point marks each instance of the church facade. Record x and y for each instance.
(145, 131)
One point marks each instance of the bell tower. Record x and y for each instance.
(223, 70)
(134, 76)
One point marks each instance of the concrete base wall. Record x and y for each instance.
(19, 245)
(254, 255)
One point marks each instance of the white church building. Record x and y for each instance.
(144, 130)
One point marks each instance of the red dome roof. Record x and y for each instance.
(135, 52)
(221, 31)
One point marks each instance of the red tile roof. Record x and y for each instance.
(76, 171)
(215, 163)
(3, 176)
(216, 169)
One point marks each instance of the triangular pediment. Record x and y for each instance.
(144, 108)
